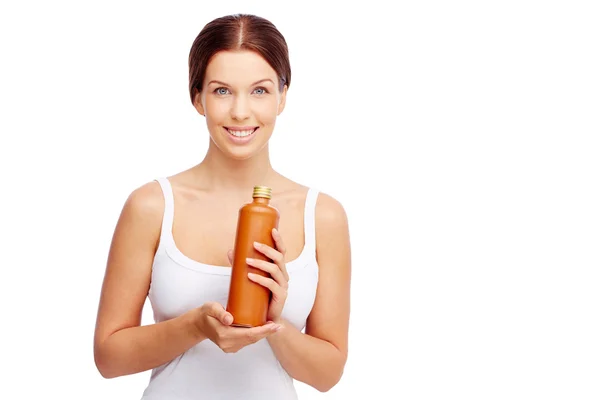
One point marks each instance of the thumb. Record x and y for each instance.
(218, 311)
(226, 318)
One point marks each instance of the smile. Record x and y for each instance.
(241, 132)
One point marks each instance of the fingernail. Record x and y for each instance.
(256, 244)
(277, 328)
(251, 275)
(249, 260)
(228, 319)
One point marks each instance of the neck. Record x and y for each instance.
(222, 173)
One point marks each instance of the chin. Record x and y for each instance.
(240, 153)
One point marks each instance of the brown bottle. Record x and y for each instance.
(248, 301)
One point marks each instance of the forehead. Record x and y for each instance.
(239, 68)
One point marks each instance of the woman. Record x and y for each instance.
(173, 244)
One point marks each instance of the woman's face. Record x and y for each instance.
(241, 100)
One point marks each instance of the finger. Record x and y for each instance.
(230, 257)
(279, 245)
(259, 332)
(270, 252)
(217, 311)
(269, 283)
(282, 249)
(271, 268)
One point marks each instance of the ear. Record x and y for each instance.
(282, 100)
(198, 102)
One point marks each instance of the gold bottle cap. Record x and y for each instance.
(262, 191)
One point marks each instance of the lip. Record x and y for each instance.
(240, 140)
(240, 128)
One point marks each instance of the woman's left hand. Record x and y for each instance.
(278, 282)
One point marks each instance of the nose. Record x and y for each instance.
(240, 109)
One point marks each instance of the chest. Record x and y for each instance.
(204, 229)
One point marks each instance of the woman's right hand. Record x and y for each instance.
(214, 322)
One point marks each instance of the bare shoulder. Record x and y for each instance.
(141, 216)
(146, 200)
(331, 217)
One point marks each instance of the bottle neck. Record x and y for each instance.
(261, 200)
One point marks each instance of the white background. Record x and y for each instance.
(461, 137)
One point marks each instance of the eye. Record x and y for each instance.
(221, 91)
(260, 91)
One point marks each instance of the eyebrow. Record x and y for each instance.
(255, 83)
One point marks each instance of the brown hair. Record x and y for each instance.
(238, 32)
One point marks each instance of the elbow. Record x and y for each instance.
(329, 381)
(106, 373)
(326, 385)
(104, 368)
(324, 388)
(103, 364)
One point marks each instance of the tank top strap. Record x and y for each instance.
(167, 222)
(309, 220)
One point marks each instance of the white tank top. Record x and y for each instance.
(205, 371)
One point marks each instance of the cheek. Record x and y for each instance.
(266, 112)
(217, 109)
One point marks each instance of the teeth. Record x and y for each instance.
(240, 133)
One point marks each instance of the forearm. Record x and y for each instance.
(137, 349)
(308, 359)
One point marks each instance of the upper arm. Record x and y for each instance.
(329, 318)
(129, 265)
